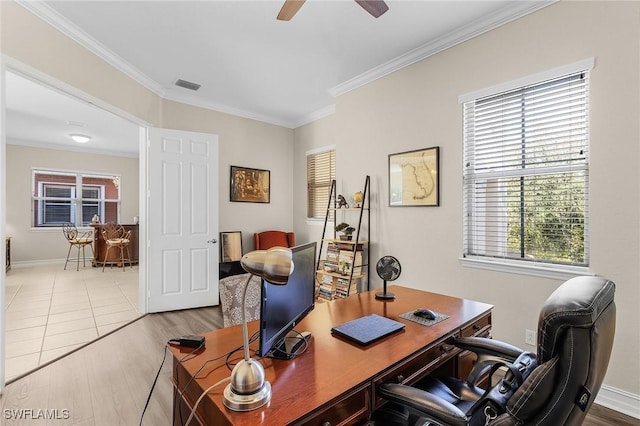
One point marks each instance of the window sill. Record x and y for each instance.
(543, 270)
(310, 221)
(56, 229)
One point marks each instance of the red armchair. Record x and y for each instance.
(267, 239)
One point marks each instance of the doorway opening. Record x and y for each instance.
(51, 311)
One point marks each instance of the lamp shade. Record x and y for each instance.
(274, 265)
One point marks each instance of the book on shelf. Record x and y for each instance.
(325, 294)
(336, 245)
(331, 287)
(344, 287)
(350, 257)
(333, 253)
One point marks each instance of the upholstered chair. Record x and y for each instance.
(267, 239)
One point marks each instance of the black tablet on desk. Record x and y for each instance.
(367, 329)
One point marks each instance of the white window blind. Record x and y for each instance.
(321, 170)
(59, 197)
(526, 167)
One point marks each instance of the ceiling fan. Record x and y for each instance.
(290, 7)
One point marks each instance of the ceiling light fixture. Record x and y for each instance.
(80, 138)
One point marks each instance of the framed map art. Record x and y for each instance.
(413, 178)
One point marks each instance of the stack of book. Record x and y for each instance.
(343, 289)
(335, 270)
(325, 286)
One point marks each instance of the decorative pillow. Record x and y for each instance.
(231, 291)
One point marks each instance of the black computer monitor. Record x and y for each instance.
(282, 307)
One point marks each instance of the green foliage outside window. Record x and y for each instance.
(552, 210)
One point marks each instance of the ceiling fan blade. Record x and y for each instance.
(375, 7)
(289, 9)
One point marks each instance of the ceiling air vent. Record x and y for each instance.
(187, 84)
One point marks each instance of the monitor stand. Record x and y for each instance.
(289, 346)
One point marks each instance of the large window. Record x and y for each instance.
(59, 197)
(321, 170)
(526, 169)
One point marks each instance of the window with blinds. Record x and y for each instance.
(59, 197)
(321, 170)
(526, 173)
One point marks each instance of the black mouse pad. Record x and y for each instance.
(424, 321)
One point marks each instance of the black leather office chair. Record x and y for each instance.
(575, 336)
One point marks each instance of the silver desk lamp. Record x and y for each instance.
(248, 389)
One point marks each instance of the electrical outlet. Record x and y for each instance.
(530, 337)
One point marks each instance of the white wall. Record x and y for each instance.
(417, 107)
(28, 244)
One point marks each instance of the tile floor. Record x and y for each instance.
(51, 311)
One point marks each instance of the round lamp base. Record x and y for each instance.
(237, 402)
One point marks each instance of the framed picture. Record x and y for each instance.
(230, 246)
(250, 185)
(413, 178)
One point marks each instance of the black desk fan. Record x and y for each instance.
(388, 268)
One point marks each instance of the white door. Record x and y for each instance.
(182, 215)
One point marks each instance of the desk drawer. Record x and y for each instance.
(351, 409)
(415, 368)
(478, 327)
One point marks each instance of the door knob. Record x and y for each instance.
(212, 241)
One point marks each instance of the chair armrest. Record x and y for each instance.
(486, 346)
(489, 352)
(424, 404)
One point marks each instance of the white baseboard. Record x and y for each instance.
(619, 400)
(30, 263)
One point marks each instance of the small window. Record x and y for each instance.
(526, 173)
(55, 200)
(321, 171)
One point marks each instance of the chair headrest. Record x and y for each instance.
(576, 303)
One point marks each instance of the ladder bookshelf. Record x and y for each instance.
(343, 266)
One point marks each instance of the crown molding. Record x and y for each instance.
(173, 96)
(62, 24)
(511, 12)
(316, 115)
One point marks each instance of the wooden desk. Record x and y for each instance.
(333, 382)
(100, 246)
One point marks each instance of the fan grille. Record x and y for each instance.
(388, 268)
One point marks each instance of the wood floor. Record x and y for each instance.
(107, 382)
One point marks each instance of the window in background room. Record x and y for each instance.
(59, 197)
(321, 171)
(526, 173)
